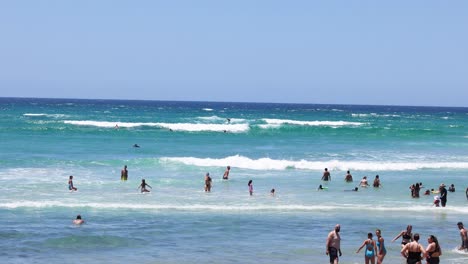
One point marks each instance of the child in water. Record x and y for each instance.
(70, 184)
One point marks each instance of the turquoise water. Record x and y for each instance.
(281, 146)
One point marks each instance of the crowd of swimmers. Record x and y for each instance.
(413, 251)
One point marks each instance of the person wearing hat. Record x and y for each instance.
(463, 235)
(443, 195)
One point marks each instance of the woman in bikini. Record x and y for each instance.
(371, 248)
(405, 235)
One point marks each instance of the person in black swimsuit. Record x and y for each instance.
(413, 250)
(433, 250)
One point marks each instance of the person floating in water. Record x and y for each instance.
(124, 174)
(226, 173)
(207, 182)
(143, 186)
(353, 190)
(70, 184)
(321, 187)
(136, 146)
(326, 175)
(250, 187)
(78, 220)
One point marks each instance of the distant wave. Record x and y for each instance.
(43, 114)
(207, 109)
(272, 164)
(374, 115)
(235, 128)
(224, 207)
(221, 119)
(311, 123)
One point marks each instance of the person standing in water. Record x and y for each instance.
(376, 183)
(433, 250)
(405, 235)
(326, 175)
(333, 248)
(143, 186)
(124, 174)
(348, 177)
(207, 182)
(70, 184)
(413, 250)
(226, 173)
(463, 235)
(250, 187)
(381, 250)
(371, 248)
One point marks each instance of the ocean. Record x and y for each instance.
(280, 146)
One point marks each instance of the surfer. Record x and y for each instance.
(143, 186)
(228, 120)
(124, 174)
(78, 220)
(70, 184)
(226, 173)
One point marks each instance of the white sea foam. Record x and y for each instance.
(311, 123)
(221, 119)
(44, 114)
(207, 109)
(190, 127)
(374, 115)
(227, 208)
(272, 164)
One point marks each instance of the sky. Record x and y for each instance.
(325, 52)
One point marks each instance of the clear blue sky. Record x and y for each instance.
(339, 52)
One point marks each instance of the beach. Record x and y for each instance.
(281, 146)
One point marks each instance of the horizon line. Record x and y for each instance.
(232, 102)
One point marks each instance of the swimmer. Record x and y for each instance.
(136, 146)
(320, 187)
(451, 188)
(228, 120)
(78, 220)
(272, 192)
(143, 186)
(70, 184)
(377, 182)
(226, 173)
(352, 190)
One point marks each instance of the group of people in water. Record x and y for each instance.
(349, 178)
(413, 251)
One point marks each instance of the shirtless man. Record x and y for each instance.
(326, 175)
(463, 235)
(348, 177)
(124, 174)
(226, 173)
(333, 245)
